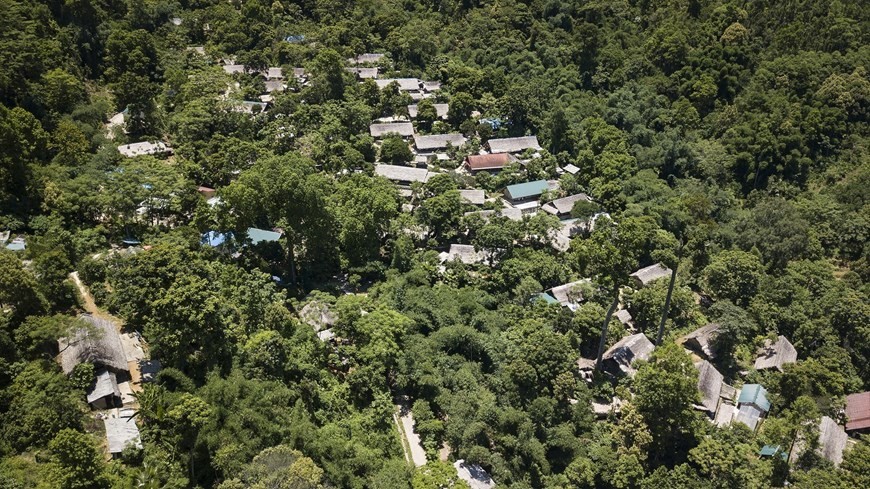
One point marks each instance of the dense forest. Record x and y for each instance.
(727, 140)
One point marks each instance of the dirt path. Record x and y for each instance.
(133, 348)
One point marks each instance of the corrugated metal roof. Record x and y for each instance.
(754, 394)
(526, 190)
(858, 411)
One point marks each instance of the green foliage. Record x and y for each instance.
(76, 463)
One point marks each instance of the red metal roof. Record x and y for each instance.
(488, 162)
(858, 411)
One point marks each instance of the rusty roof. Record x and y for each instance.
(495, 161)
(858, 411)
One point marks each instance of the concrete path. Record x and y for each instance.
(414, 452)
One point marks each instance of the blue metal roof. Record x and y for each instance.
(754, 394)
(214, 238)
(528, 189)
(260, 235)
(16, 245)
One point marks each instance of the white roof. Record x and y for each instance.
(143, 148)
(474, 475)
(473, 196)
(438, 141)
(398, 173)
(121, 431)
(573, 170)
(405, 84)
(440, 110)
(514, 145)
(404, 129)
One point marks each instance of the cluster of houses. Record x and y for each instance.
(121, 367)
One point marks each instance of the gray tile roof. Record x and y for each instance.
(99, 344)
(405, 84)
(438, 141)
(514, 145)
(618, 359)
(775, 355)
(473, 196)
(653, 272)
(404, 129)
(440, 110)
(563, 206)
(121, 431)
(710, 385)
(402, 173)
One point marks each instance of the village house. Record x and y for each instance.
(404, 129)
(121, 432)
(144, 148)
(562, 207)
(402, 175)
(492, 163)
(473, 196)
(274, 73)
(104, 393)
(364, 73)
(98, 342)
(569, 295)
(525, 195)
(618, 359)
(405, 84)
(464, 253)
(776, 354)
(752, 405)
(831, 442)
(232, 69)
(858, 413)
(272, 86)
(647, 275)
(440, 110)
(514, 145)
(624, 317)
(710, 385)
(428, 144)
(508, 212)
(367, 58)
(702, 340)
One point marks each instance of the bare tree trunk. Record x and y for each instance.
(667, 306)
(604, 327)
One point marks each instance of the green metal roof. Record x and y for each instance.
(754, 394)
(543, 296)
(526, 190)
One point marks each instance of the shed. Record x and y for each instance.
(571, 169)
(104, 392)
(474, 475)
(121, 432)
(440, 109)
(858, 411)
(710, 386)
(623, 316)
(404, 129)
(491, 162)
(562, 207)
(473, 196)
(775, 355)
(702, 340)
(646, 275)
(618, 359)
(523, 192)
(402, 174)
(514, 145)
(438, 141)
(98, 343)
(569, 295)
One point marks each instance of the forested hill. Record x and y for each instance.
(434, 244)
